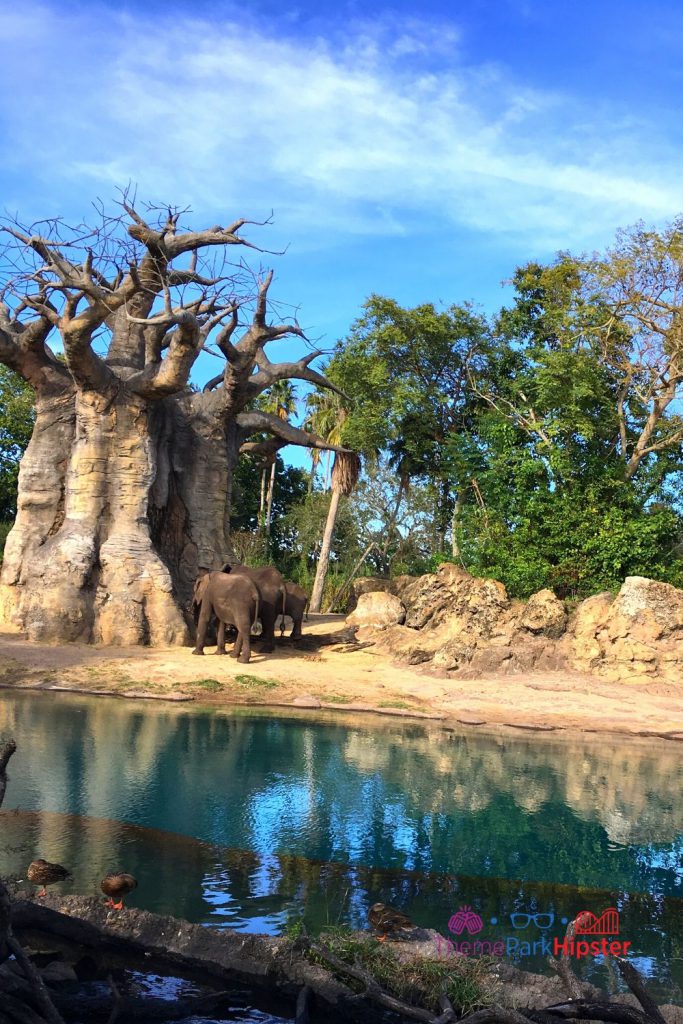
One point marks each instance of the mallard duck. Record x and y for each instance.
(117, 885)
(41, 872)
(387, 921)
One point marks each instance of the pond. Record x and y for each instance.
(242, 819)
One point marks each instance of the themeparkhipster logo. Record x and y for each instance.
(579, 942)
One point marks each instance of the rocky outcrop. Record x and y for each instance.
(457, 622)
(636, 637)
(377, 609)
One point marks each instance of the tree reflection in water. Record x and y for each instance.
(325, 816)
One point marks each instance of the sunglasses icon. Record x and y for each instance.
(524, 920)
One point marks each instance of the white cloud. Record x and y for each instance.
(357, 134)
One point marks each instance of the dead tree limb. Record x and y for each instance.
(563, 966)
(635, 982)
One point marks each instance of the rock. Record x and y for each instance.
(545, 615)
(306, 700)
(585, 650)
(367, 585)
(57, 972)
(371, 585)
(634, 638)
(399, 584)
(378, 609)
(452, 595)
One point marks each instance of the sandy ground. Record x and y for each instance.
(348, 679)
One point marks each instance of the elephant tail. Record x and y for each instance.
(306, 606)
(256, 611)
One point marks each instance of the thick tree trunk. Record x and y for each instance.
(125, 488)
(120, 503)
(324, 559)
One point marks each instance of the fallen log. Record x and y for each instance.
(165, 944)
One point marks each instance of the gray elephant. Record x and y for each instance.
(296, 606)
(234, 600)
(272, 597)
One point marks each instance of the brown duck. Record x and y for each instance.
(42, 872)
(117, 886)
(389, 921)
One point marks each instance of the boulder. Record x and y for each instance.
(635, 637)
(370, 585)
(377, 609)
(366, 585)
(452, 596)
(585, 650)
(544, 615)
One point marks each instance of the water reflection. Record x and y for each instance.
(330, 812)
(250, 892)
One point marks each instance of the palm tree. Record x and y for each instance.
(345, 473)
(280, 400)
(325, 417)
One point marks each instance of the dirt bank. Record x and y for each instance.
(349, 679)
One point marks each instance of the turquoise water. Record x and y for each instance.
(252, 821)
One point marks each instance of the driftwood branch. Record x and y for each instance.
(564, 968)
(634, 981)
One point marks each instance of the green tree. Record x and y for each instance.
(17, 417)
(290, 486)
(280, 401)
(552, 498)
(407, 371)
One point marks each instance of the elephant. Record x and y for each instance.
(296, 606)
(234, 600)
(272, 596)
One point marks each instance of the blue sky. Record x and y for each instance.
(417, 150)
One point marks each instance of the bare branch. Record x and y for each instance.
(269, 373)
(171, 374)
(256, 422)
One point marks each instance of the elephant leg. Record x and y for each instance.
(268, 616)
(245, 645)
(220, 639)
(202, 625)
(239, 641)
(296, 631)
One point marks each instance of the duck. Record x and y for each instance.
(117, 885)
(389, 921)
(42, 872)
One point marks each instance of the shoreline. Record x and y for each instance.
(339, 678)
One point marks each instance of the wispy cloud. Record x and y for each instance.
(360, 133)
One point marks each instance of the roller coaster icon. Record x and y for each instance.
(586, 923)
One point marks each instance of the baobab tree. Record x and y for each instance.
(125, 487)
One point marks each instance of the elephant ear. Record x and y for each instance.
(200, 585)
